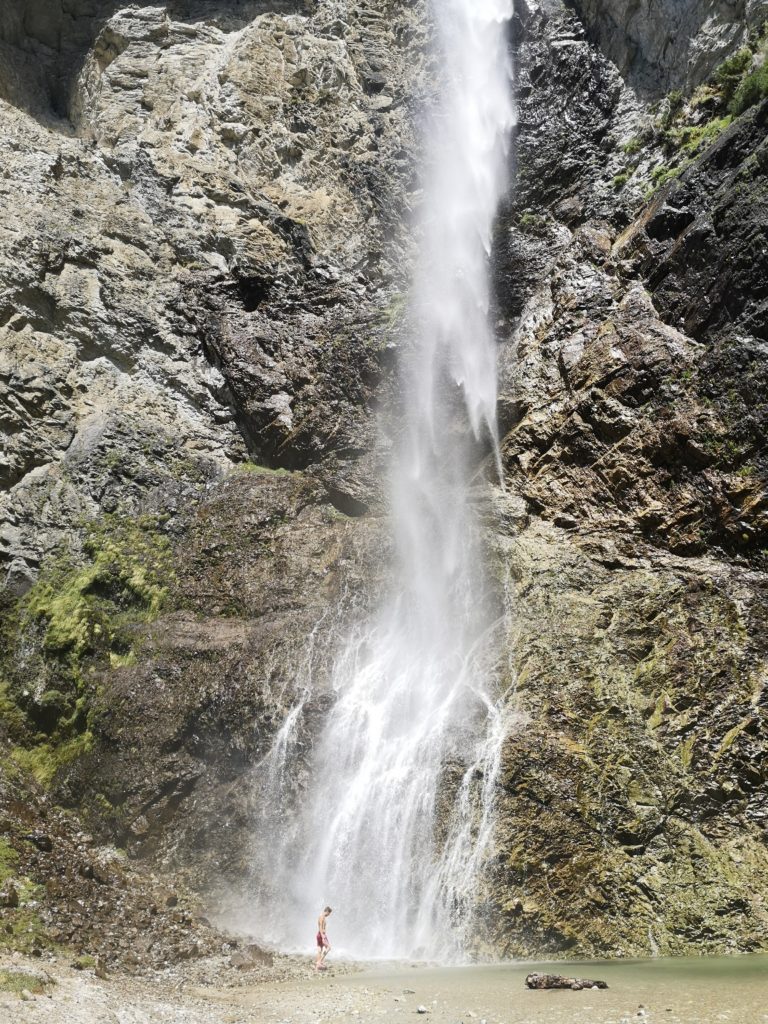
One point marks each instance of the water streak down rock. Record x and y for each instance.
(412, 687)
(210, 265)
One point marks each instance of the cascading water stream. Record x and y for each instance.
(393, 822)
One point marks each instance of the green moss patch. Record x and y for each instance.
(83, 616)
(19, 981)
(46, 759)
(752, 89)
(23, 931)
(21, 928)
(9, 858)
(127, 568)
(692, 139)
(254, 467)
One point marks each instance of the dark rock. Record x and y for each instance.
(41, 840)
(251, 956)
(9, 897)
(537, 981)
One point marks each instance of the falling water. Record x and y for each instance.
(398, 808)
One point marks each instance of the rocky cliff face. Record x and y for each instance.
(634, 814)
(213, 225)
(669, 45)
(202, 291)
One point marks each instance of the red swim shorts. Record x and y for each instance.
(322, 940)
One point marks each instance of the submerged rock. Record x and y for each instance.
(536, 980)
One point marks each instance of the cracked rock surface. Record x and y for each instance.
(204, 259)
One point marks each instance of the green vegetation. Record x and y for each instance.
(621, 179)
(687, 127)
(128, 565)
(83, 962)
(691, 139)
(724, 449)
(24, 931)
(633, 146)
(751, 90)
(672, 108)
(80, 616)
(22, 928)
(11, 715)
(254, 467)
(663, 173)
(19, 981)
(8, 860)
(728, 76)
(44, 760)
(532, 223)
(659, 710)
(732, 735)
(742, 79)
(391, 315)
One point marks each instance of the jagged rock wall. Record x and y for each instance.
(672, 44)
(209, 267)
(207, 243)
(634, 809)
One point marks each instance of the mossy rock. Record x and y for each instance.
(84, 614)
(9, 859)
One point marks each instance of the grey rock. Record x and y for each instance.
(173, 315)
(671, 44)
(208, 269)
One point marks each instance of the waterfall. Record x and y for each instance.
(396, 813)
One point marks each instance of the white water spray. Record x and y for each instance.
(397, 812)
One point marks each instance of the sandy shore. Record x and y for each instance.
(677, 992)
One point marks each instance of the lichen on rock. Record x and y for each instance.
(202, 295)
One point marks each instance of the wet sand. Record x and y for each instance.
(680, 991)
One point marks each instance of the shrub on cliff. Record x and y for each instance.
(752, 90)
(730, 73)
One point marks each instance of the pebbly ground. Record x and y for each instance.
(702, 991)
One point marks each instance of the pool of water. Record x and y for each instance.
(701, 990)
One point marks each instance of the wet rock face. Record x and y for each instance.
(181, 726)
(633, 809)
(209, 268)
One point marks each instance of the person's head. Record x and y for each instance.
(327, 911)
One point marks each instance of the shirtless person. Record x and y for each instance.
(323, 945)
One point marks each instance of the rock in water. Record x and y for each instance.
(536, 980)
